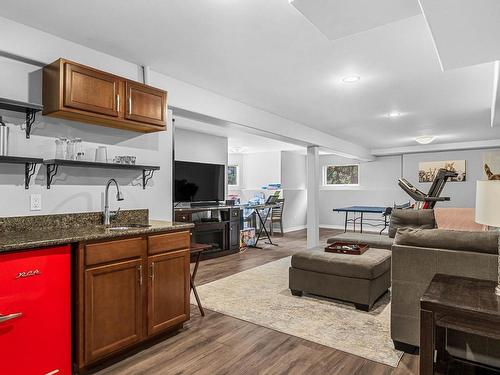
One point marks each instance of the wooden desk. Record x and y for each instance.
(462, 304)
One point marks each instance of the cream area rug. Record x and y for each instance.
(261, 296)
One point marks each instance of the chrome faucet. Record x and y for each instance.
(107, 214)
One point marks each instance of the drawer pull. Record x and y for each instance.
(6, 318)
(140, 274)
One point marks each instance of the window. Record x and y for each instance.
(341, 175)
(233, 175)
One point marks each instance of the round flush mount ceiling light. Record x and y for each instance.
(393, 114)
(351, 79)
(425, 139)
(237, 150)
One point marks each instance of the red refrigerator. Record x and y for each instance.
(35, 312)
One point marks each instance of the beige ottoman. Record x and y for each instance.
(360, 279)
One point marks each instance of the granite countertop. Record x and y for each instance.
(30, 239)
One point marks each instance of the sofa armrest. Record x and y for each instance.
(412, 271)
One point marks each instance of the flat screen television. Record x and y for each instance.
(198, 182)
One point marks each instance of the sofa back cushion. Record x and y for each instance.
(458, 219)
(478, 242)
(423, 219)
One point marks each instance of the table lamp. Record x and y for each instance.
(488, 210)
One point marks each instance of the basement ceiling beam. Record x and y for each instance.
(473, 145)
(495, 105)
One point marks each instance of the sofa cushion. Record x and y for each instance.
(370, 265)
(423, 219)
(479, 242)
(380, 241)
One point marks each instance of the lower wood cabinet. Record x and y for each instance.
(168, 301)
(113, 308)
(127, 291)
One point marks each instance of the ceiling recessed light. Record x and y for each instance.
(351, 79)
(425, 139)
(393, 114)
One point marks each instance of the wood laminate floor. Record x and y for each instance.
(219, 344)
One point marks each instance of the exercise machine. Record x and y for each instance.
(434, 195)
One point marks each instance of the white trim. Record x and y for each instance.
(234, 187)
(495, 105)
(293, 229)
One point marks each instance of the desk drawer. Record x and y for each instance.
(114, 250)
(168, 242)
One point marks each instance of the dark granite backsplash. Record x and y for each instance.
(64, 221)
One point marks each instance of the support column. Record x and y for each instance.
(313, 180)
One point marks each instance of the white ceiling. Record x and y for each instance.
(466, 32)
(338, 19)
(238, 140)
(267, 54)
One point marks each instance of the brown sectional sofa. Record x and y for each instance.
(419, 254)
(419, 251)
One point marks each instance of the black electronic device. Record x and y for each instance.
(198, 182)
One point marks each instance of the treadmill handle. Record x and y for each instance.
(436, 199)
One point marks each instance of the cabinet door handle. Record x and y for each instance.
(118, 102)
(129, 105)
(140, 274)
(5, 318)
(152, 270)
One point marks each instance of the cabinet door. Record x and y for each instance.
(90, 90)
(113, 308)
(169, 287)
(234, 235)
(145, 104)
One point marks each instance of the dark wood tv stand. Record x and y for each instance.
(223, 232)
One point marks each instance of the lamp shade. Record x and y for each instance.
(488, 203)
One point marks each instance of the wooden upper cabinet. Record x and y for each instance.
(76, 92)
(90, 90)
(145, 104)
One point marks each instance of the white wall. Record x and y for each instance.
(463, 194)
(285, 167)
(199, 147)
(294, 180)
(378, 183)
(78, 189)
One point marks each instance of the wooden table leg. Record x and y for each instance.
(193, 285)
(427, 340)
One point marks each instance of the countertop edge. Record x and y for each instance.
(35, 244)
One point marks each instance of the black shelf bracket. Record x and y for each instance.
(147, 175)
(29, 171)
(30, 119)
(51, 172)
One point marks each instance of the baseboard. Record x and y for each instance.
(293, 229)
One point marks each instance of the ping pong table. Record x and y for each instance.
(362, 210)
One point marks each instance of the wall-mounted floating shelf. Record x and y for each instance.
(29, 108)
(53, 166)
(29, 166)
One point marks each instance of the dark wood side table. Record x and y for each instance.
(462, 304)
(196, 249)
